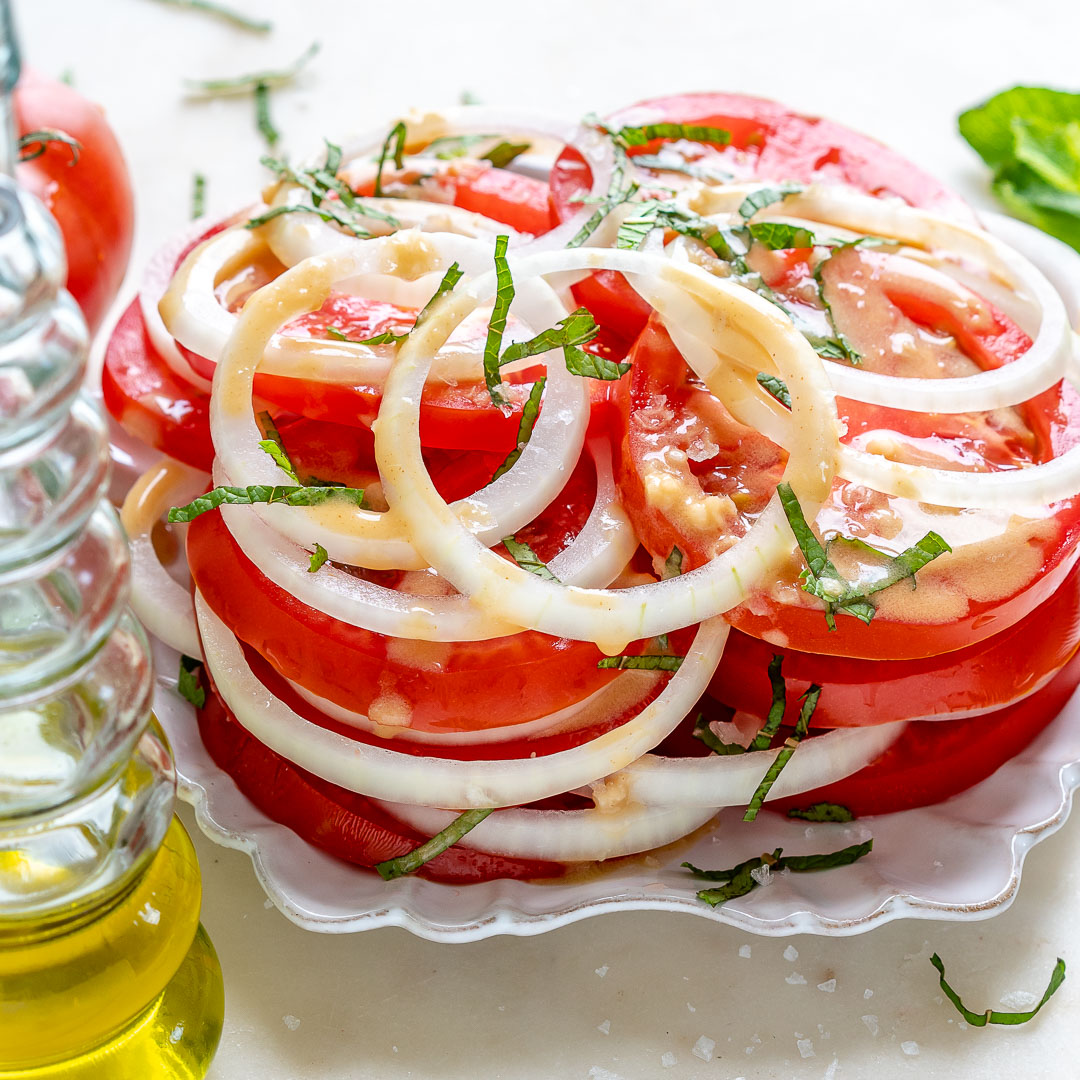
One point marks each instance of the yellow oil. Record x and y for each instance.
(130, 992)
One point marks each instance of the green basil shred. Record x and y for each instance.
(189, 681)
(992, 1016)
(411, 862)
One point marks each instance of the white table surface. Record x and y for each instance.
(387, 1005)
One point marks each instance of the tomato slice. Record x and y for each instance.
(982, 677)
(768, 141)
(932, 761)
(334, 819)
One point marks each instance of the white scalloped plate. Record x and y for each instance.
(966, 864)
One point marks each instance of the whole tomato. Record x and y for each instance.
(90, 196)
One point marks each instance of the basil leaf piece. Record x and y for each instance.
(591, 366)
(780, 236)
(738, 868)
(318, 557)
(822, 811)
(452, 276)
(620, 189)
(396, 138)
(647, 133)
(530, 411)
(262, 493)
(673, 564)
(578, 328)
(413, 860)
(244, 83)
(281, 459)
(198, 196)
(527, 559)
(504, 297)
(776, 387)
(807, 864)
(665, 163)
(503, 153)
(839, 340)
(992, 1016)
(642, 663)
(34, 143)
(763, 739)
(766, 196)
(263, 121)
(188, 681)
(705, 734)
(325, 215)
(387, 337)
(228, 14)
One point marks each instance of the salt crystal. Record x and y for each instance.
(868, 994)
(806, 1048)
(704, 1048)
(597, 1073)
(795, 979)
(690, 1007)
(871, 1023)
(749, 1050)
(1018, 1000)
(291, 1022)
(176, 1034)
(394, 1048)
(762, 875)
(604, 1028)
(744, 951)
(268, 904)
(962, 1025)
(911, 1048)
(668, 1060)
(756, 1039)
(791, 954)
(829, 986)
(830, 1072)
(602, 970)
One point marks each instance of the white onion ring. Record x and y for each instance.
(161, 604)
(362, 537)
(595, 557)
(384, 774)
(612, 618)
(562, 835)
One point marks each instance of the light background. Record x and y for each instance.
(384, 1004)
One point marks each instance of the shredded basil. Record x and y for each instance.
(34, 143)
(274, 446)
(198, 196)
(822, 811)
(810, 700)
(530, 411)
(673, 564)
(776, 387)
(647, 133)
(318, 557)
(246, 83)
(620, 189)
(504, 297)
(992, 1016)
(503, 153)
(705, 734)
(780, 236)
(763, 739)
(453, 275)
(396, 138)
(578, 328)
(387, 337)
(263, 493)
(527, 559)
(189, 681)
(642, 663)
(766, 196)
(407, 864)
(263, 120)
(591, 366)
(228, 14)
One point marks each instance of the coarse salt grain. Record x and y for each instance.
(291, 1022)
(762, 875)
(604, 1027)
(911, 1048)
(871, 1023)
(795, 979)
(1018, 1000)
(791, 953)
(744, 951)
(597, 1073)
(690, 1007)
(602, 970)
(868, 994)
(704, 1048)
(830, 1072)
(806, 1048)
(829, 986)
(668, 1060)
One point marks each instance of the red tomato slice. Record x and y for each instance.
(985, 676)
(334, 819)
(768, 141)
(932, 760)
(90, 198)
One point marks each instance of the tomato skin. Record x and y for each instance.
(932, 761)
(521, 202)
(855, 693)
(91, 199)
(149, 401)
(334, 819)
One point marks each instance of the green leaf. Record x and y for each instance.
(504, 297)
(189, 682)
(452, 276)
(988, 127)
(642, 663)
(591, 366)
(274, 446)
(822, 811)
(454, 146)
(634, 230)
(527, 559)
(779, 236)
(839, 340)
(738, 868)
(396, 138)
(991, 1016)
(666, 163)
(705, 734)
(198, 196)
(763, 739)
(766, 196)
(263, 121)
(1051, 151)
(578, 328)
(318, 557)
(503, 153)
(262, 493)
(808, 864)
(776, 387)
(1027, 196)
(783, 756)
(228, 14)
(620, 189)
(647, 133)
(385, 338)
(407, 864)
(244, 83)
(673, 564)
(299, 208)
(530, 411)
(34, 143)
(741, 883)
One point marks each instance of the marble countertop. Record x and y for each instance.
(635, 995)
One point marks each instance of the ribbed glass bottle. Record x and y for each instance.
(105, 972)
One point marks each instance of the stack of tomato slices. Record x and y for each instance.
(977, 651)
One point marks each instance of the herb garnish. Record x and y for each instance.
(740, 880)
(262, 115)
(647, 133)
(649, 662)
(241, 84)
(766, 196)
(673, 564)
(776, 387)
(780, 236)
(504, 297)
(822, 811)
(396, 138)
(189, 681)
(705, 733)
(230, 15)
(529, 412)
(991, 1016)
(272, 444)
(34, 143)
(527, 559)
(198, 196)
(823, 580)
(263, 493)
(504, 152)
(763, 739)
(387, 337)
(318, 557)
(407, 864)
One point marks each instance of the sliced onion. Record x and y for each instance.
(407, 778)
(743, 321)
(595, 557)
(562, 835)
(162, 605)
(362, 537)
